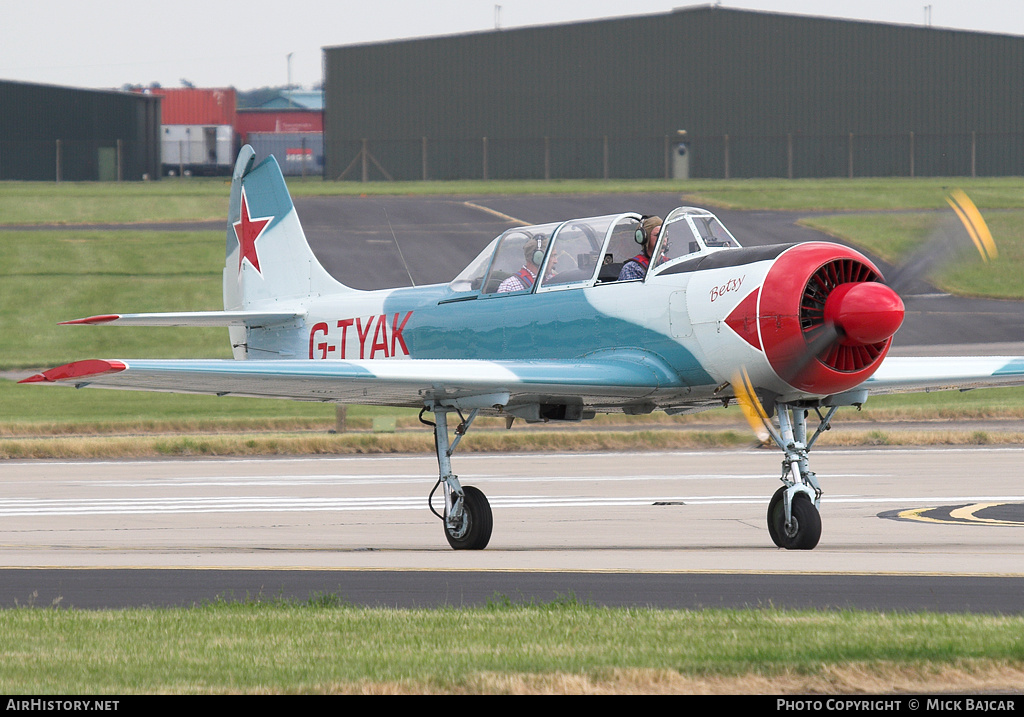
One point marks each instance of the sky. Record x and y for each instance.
(106, 44)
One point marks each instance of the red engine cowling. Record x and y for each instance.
(825, 318)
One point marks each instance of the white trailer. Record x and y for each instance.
(197, 149)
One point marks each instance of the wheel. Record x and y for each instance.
(475, 530)
(773, 504)
(803, 532)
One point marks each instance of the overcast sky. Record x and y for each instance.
(213, 43)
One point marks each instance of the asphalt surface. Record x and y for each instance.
(903, 529)
(131, 588)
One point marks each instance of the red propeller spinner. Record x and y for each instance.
(824, 318)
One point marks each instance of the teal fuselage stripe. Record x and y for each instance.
(557, 325)
(1014, 368)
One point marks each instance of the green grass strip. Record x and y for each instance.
(324, 646)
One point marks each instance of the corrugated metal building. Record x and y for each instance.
(758, 94)
(62, 133)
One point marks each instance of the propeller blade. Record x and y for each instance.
(974, 223)
(943, 246)
(753, 410)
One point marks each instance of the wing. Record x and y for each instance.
(904, 374)
(610, 381)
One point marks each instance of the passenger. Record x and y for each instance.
(533, 254)
(647, 237)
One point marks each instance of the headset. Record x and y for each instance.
(640, 236)
(538, 253)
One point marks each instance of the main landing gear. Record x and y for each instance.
(794, 522)
(467, 514)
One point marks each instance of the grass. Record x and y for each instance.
(205, 199)
(567, 646)
(52, 276)
(113, 203)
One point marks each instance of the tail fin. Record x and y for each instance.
(267, 255)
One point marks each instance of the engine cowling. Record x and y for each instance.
(824, 318)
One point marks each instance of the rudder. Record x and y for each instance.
(267, 257)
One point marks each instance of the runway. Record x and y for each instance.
(673, 529)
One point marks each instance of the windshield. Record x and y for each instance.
(517, 259)
(472, 277)
(689, 231)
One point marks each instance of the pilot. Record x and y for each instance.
(647, 237)
(533, 255)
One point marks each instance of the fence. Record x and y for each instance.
(791, 156)
(63, 160)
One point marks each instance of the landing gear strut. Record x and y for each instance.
(794, 522)
(467, 514)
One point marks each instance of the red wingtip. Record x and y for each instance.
(78, 369)
(102, 319)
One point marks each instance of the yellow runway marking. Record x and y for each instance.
(960, 515)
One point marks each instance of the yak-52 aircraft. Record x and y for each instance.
(789, 330)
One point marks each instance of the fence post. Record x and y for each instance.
(974, 147)
(850, 156)
(667, 157)
(789, 155)
(911, 155)
(726, 156)
(424, 159)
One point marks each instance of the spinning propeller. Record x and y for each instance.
(827, 319)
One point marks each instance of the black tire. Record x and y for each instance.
(775, 504)
(805, 531)
(477, 522)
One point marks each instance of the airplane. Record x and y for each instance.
(787, 331)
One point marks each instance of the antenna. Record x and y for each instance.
(400, 254)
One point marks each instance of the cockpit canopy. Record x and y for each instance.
(584, 252)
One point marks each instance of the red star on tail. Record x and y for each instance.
(247, 231)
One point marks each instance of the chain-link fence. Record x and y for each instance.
(792, 156)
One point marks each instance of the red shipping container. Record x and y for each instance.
(279, 121)
(195, 106)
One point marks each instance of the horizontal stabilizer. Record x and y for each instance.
(193, 318)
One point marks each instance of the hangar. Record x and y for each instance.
(67, 134)
(697, 92)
